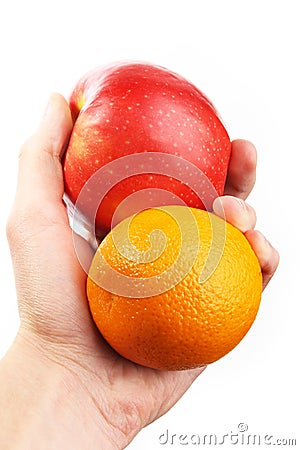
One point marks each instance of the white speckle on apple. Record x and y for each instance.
(150, 125)
(129, 108)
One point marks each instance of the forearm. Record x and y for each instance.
(42, 406)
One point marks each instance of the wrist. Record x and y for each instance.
(44, 406)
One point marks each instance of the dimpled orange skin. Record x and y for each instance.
(191, 324)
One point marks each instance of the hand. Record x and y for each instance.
(97, 395)
(240, 182)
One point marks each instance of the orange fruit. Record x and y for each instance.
(174, 288)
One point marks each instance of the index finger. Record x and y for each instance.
(241, 170)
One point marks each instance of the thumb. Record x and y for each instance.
(40, 178)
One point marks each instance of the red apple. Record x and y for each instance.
(150, 136)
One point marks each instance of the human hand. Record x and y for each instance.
(107, 397)
(232, 206)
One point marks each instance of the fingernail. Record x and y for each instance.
(218, 208)
(267, 243)
(241, 203)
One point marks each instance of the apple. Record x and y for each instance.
(143, 136)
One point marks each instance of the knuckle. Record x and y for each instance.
(20, 224)
(9, 232)
(11, 227)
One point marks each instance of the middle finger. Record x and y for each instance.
(235, 211)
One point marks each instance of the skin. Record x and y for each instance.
(61, 385)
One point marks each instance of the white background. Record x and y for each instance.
(245, 56)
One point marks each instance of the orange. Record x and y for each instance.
(174, 288)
